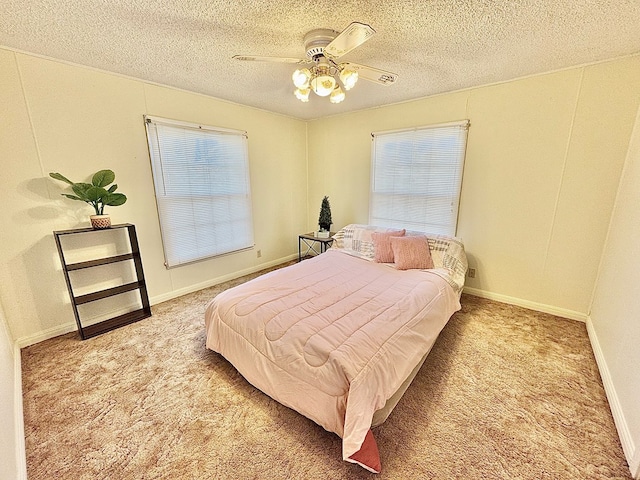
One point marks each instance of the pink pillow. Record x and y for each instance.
(382, 245)
(411, 252)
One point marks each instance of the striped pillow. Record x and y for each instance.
(411, 252)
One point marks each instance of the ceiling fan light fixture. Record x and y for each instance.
(323, 84)
(337, 95)
(302, 94)
(301, 78)
(321, 72)
(348, 77)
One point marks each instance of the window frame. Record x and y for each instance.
(455, 195)
(171, 260)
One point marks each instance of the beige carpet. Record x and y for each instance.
(506, 393)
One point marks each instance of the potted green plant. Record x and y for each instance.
(324, 221)
(95, 194)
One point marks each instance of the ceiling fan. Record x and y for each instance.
(321, 70)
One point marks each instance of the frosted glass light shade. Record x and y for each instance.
(337, 95)
(348, 77)
(302, 94)
(301, 78)
(323, 84)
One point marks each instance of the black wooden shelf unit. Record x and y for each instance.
(88, 331)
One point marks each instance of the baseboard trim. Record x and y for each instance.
(215, 281)
(46, 335)
(538, 307)
(628, 447)
(21, 451)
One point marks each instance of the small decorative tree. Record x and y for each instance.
(324, 221)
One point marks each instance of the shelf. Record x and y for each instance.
(99, 261)
(74, 231)
(138, 285)
(109, 292)
(115, 322)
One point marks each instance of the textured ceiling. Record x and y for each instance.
(434, 46)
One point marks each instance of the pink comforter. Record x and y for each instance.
(332, 337)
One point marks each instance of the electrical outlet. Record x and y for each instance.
(471, 273)
(259, 253)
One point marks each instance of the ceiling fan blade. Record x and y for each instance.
(351, 37)
(374, 74)
(254, 58)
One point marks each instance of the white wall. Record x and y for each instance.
(75, 120)
(543, 163)
(12, 461)
(615, 314)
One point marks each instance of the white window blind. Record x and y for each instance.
(416, 176)
(201, 178)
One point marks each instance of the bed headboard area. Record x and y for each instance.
(447, 253)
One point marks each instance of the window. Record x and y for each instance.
(416, 176)
(201, 178)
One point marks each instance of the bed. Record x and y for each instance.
(339, 337)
